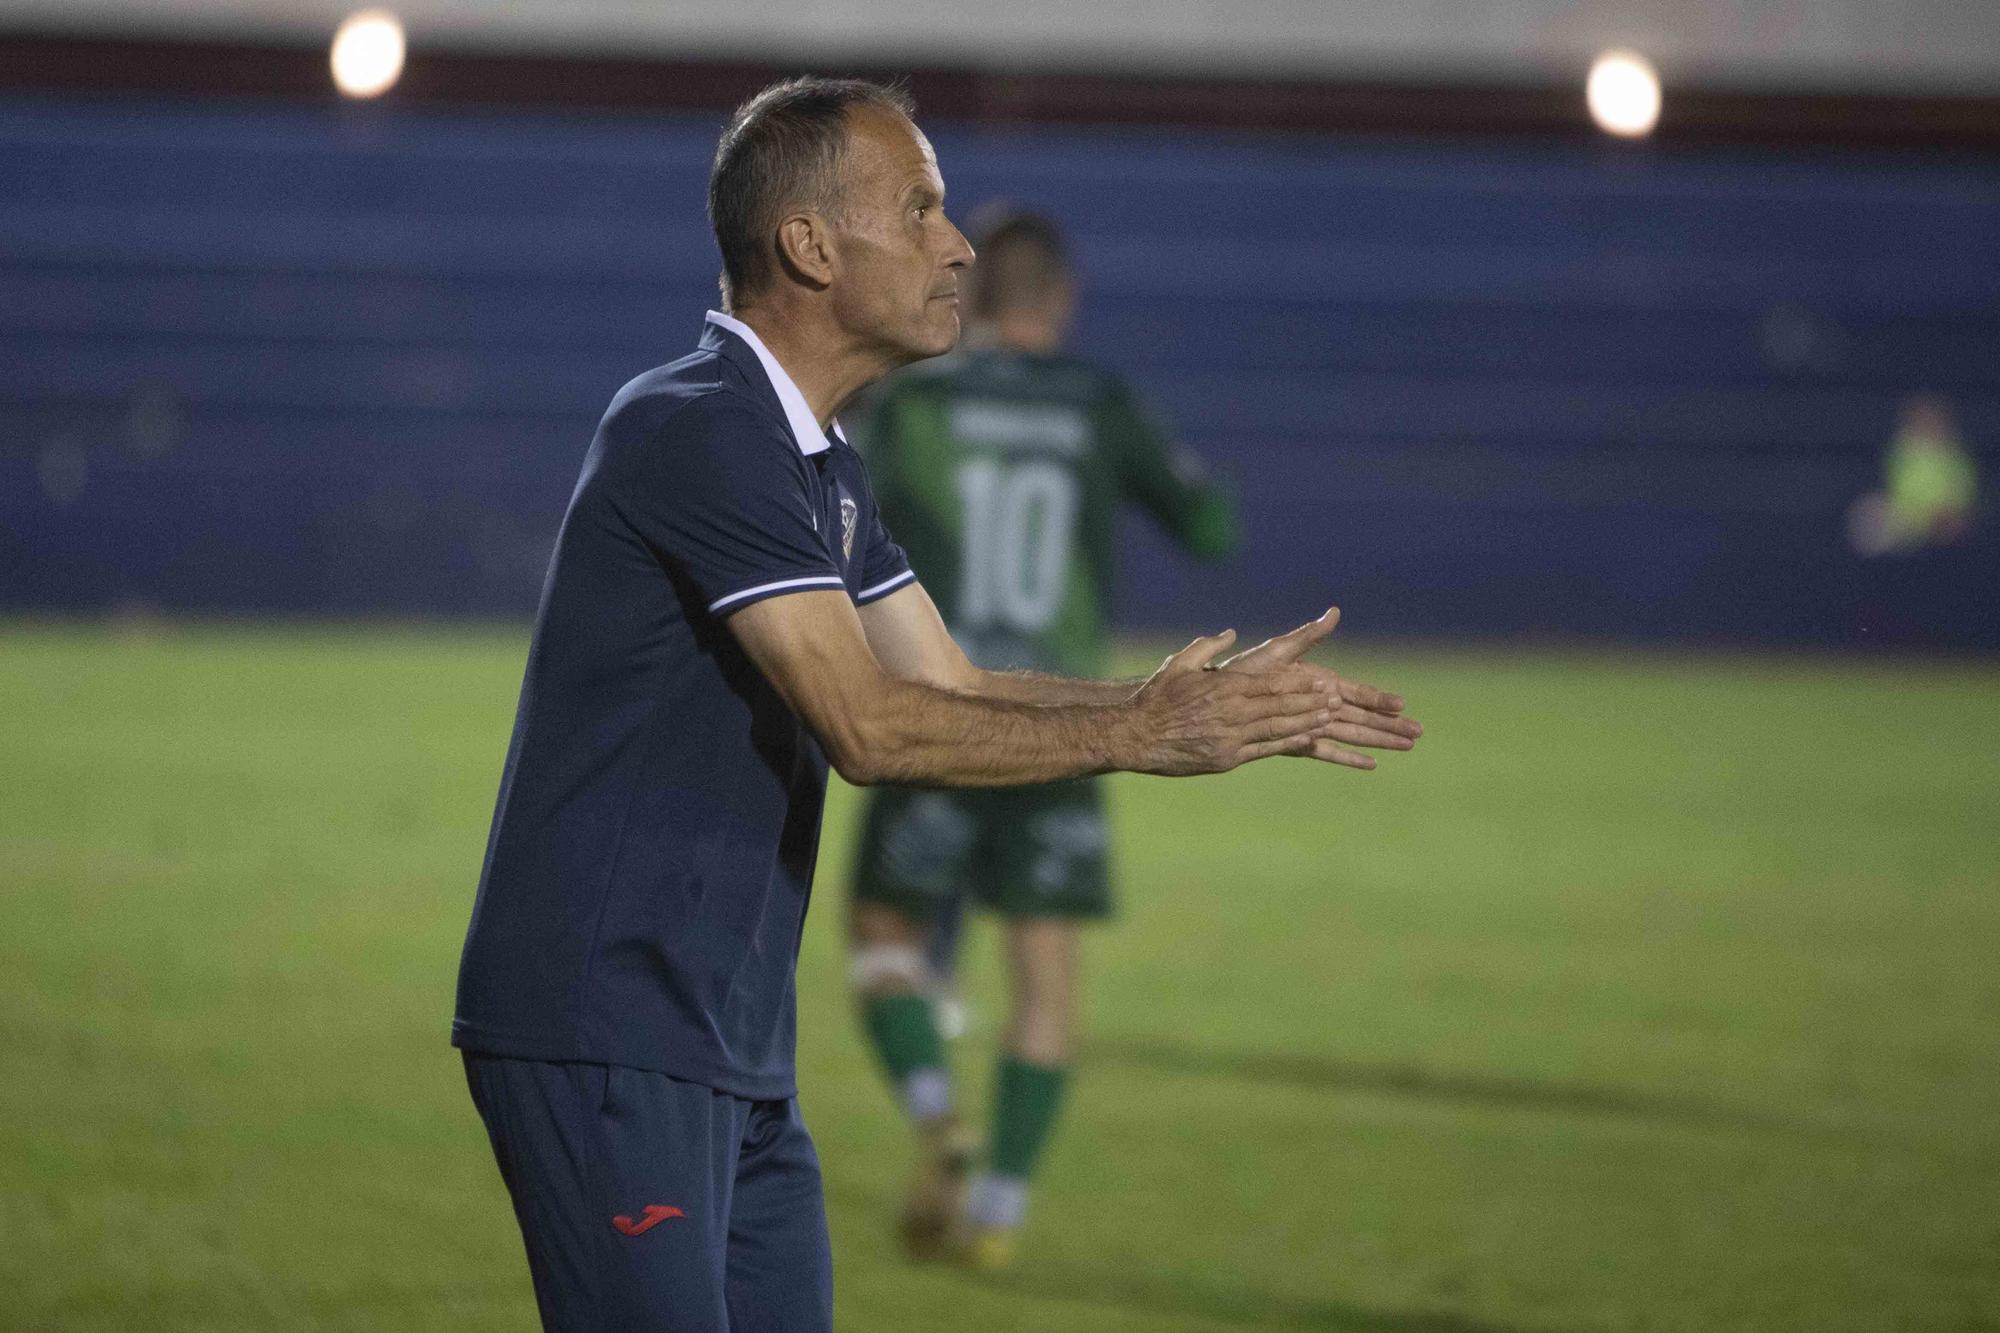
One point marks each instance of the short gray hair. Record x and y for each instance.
(783, 148)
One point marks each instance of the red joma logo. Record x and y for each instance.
(655, 1214)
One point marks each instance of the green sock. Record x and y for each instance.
(1025, 1102)
(904, 1032)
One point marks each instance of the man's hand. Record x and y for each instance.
(1363, 715)
(1191, 720)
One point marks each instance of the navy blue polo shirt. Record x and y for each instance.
(652, 849)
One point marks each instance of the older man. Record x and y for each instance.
(724, 614)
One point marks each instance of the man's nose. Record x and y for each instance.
(960, 254)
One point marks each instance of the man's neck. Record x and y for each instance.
(828, 367)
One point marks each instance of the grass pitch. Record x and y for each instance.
(1650, 993)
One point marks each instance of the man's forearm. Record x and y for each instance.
(921, 717)
(921, 735)
(1032, 687)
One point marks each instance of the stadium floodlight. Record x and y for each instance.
(367, 55)
(1624, 94)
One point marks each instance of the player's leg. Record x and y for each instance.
(913, 853)
(941, 949)
(1043, 954)
(911, 860)
(892, 986)
(1028, 1086)
(621, 1183)
(1050, 878)
(780, 1264)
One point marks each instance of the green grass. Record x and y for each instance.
(1653, 992)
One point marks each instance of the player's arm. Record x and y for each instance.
(1167, 480)
(880, 728)
(909, 639)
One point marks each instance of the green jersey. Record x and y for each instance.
(1929, 478)
(1001, 474)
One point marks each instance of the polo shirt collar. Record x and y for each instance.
(805, 427)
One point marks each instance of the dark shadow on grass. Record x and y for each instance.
(1314, 1073)
(1182, 1295)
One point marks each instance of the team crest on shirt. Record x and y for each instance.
(849, 512)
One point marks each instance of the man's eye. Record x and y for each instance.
(922, 211)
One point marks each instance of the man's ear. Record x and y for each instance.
(805, 248)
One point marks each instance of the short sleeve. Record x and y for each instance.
(884, 565)
(722, 495)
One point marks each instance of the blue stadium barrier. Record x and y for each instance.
(265, 358)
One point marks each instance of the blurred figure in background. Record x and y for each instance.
(1002, 467)
(1929, 486)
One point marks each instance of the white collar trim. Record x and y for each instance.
(805, 427)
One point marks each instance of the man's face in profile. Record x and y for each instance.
(900, 256)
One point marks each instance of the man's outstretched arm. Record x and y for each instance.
(879, 727)
(909, 639)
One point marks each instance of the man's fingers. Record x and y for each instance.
(1301, 746)
(1251, 696)
(1292, 680)
(1294, 644)
(1325, 749)
(1358, 693)
(1329, 751)
(1375, 738)
(1310, 633)
(1201, 652)
(1254, 711)
(1366, 695)
(1388, 722)
(1309, 722)
(1301, 701)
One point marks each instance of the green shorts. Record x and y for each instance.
(1022, 851)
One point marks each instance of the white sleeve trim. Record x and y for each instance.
(816, 581)
(907, 576)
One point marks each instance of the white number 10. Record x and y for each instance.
(1018, 524)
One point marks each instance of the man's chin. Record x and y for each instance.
(934, 341)
(947, 337)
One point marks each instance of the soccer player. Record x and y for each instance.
(725, 614)
(1001, 467)
(1930, 486)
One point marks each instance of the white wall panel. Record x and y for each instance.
(1888, 45)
